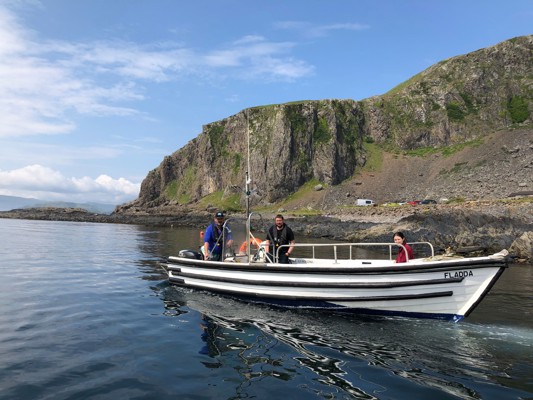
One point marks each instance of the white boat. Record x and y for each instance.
(431, 287)
(444, 287)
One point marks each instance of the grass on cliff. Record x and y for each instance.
(227, 203)
(374, 158)
(445, 151)
(174, 191)
(302, 194)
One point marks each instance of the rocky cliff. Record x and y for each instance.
(459, 101)
(289, 145)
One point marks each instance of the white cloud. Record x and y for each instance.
(12, 36)
(308, 29)
(234, 98)
(249, 39)
(45, 85)
(255, 57)
(43, 82)
(45, 183)
(290, 69)
(155, 63)
(37, 94)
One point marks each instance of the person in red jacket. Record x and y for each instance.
(399, 238)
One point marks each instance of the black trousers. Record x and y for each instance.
(283, 258)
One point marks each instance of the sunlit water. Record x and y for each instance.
(86, 313)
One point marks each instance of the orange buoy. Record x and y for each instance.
(253, 241)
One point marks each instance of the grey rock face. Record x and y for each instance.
(452, 102)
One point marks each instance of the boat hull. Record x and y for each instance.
(445, 289)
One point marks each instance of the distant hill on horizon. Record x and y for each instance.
(8, 203)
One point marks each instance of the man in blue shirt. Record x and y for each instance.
(215, 235)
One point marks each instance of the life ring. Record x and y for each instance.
(253, 241)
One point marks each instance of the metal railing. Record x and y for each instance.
(351, 247)
(335, 246)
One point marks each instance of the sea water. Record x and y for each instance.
(86, 313)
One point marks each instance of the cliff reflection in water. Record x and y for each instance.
(349, 355)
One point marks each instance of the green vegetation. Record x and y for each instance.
(411, 81)
(458, 167)
(218, 139)
(422, 151)
(306, 212)
(303, 191)
(348, 123)
(237, 159)
(518, 109)
(302, 160)
(403, 112)
(454, 111)
(180, 190)
(528, 199)
(184, 198)
(374, 157)
(296, 119)
(228, 203)
(456, 200)
(449, 150)
(321, 133)
(171, 191)
(445, 151)
(298, 102)
(468, 102)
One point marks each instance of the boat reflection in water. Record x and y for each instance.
(350, 356)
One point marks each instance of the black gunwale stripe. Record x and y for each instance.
(321, 285)
(447, 293)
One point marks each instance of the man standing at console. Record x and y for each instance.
(280, 234)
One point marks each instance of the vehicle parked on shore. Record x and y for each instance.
(365, 202)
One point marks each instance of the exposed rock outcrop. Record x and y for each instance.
(523, 246)
(453, 102)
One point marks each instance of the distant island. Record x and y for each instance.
(8, 203)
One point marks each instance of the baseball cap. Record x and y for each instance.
(219, 214)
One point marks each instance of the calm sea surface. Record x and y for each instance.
(86, 313)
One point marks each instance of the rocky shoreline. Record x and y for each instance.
(484, 226)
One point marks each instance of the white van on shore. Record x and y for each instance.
(365, 202)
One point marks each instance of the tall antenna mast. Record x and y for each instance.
(247, 185)
(248, 180)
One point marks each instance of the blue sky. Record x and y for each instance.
(94, 93)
